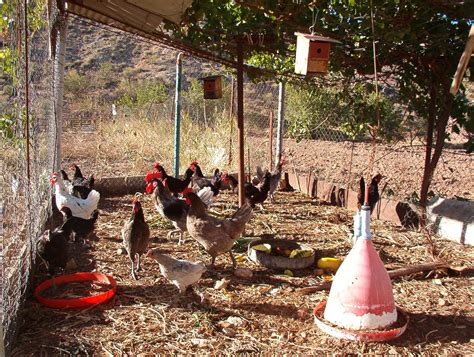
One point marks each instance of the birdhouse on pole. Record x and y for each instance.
(312, 53)
(212, 87)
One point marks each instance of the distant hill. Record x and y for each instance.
(89, 46)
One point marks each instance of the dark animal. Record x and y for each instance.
(80, 228)
(373, 192)
(175, 185)
(259, 193)
(53, 249)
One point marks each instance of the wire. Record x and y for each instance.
(315, 18)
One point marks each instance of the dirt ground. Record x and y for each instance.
(266, 313)
(400, 164)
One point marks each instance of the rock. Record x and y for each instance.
(319, 272)
(199, 342)
(228, 331)
(442, 302)
(221, 284)
(121, 251)
(236, 321)
(243, 273)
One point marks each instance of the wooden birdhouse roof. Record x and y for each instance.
(317, 38)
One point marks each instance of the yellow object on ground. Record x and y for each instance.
(288, 272)
(298, 253)
(265, 247)
(329, 263)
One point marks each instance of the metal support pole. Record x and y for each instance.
(240, 118)
(281, 121)
(177, 114)
(27, 92)
(58, 74)
(270, 140)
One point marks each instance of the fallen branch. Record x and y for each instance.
(393, 274)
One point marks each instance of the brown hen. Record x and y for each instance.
(136, 235)
(215, 235)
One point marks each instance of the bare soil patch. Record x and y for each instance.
(401, 165)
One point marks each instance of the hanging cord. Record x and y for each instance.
(315, 18)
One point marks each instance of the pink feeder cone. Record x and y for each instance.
(361, 295)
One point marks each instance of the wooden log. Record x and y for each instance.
(393, 274)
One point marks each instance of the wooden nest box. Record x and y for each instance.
(312, 53)
(212, 87)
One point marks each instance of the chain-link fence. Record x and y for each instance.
(28, 145)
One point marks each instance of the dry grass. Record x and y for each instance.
(149, 316)
(138, 144)
(132, 146)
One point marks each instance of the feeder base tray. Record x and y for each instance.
(360, 335)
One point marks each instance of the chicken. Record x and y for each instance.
(81, 185)
(79, 227)
(181, 273)
(198, 178)
(53, 249)
(228, 182)
(373, 192)
(259, 193)
(169, 206)
(206, 194)
(175, 185)
(136, 235)
(215, 235)
(79, 207)
(275, 177)
(67, 182)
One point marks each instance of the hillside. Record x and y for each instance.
(90, 46)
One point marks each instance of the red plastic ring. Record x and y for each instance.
(78, 303)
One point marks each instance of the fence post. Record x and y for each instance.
(232, 95)
(177, 114)
(2, 341)
(270, 141)
(59, 61)
(240, 118)
(281, 121)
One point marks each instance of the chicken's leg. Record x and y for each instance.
(181, 234)
(134, 275)
(138, 263)
(234, 263)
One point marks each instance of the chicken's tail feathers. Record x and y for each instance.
(206, 195)
(95, 215)
(260, 173)
(93, 198)
(243, 214)
(91, 181)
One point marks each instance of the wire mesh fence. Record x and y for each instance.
(28, 143)
(119, 119)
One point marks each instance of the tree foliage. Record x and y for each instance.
(349, 110)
